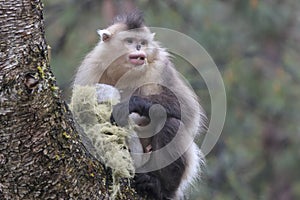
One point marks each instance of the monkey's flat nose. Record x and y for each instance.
(138, 47)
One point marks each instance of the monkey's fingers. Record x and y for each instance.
(139, 105)
(139, 120)
(148, 148)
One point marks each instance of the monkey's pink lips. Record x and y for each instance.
(137, 58)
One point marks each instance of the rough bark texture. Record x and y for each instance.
(41, 154)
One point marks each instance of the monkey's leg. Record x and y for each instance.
(163, 183)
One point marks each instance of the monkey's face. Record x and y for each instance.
(132, 52)
(139, 46)
(135, 46)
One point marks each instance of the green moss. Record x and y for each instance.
(41, 72)
(66, 135)
(54, 88)
(57, 157)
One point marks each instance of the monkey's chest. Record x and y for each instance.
(144, 90)
(149, 89)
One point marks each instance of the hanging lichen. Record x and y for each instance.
(93, 115)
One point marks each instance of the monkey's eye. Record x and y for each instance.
(144, 42)
(129, 40)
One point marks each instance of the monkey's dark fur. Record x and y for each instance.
(134, 20)
(159, 184)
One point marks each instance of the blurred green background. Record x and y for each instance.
(256, 46)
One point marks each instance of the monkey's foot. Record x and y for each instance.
(148, 185)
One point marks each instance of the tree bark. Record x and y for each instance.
(41, 153)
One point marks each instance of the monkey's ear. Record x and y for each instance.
(152, 35)
(104, 34)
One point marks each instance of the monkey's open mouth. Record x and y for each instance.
(137, 58)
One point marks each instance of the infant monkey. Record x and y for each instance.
(153, 96)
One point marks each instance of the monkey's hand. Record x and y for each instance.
(140, 105)
(164, 106)
(137, 106)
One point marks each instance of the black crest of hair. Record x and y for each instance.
(132, 20)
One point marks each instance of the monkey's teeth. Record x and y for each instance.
(140, 58)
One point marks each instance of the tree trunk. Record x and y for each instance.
(41, 153)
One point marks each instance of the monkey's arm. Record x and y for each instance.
(142, 104)
(167, 99)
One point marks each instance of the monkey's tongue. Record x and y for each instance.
(137, 58)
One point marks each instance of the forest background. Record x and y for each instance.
(256, 47)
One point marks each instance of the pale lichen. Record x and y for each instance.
(109, 140)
